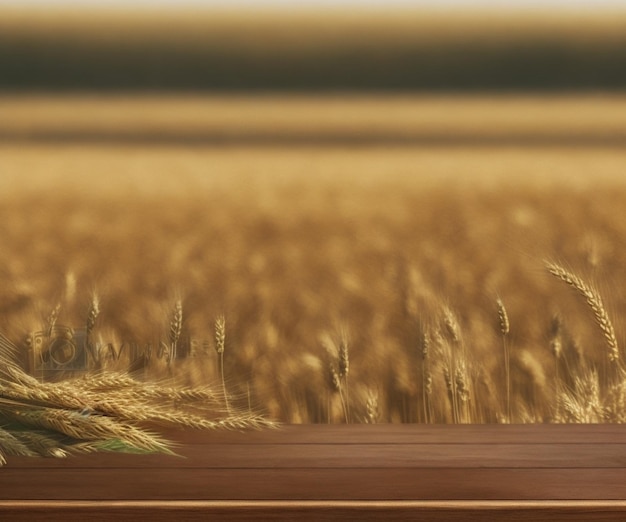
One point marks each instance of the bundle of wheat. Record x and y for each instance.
(101, 412)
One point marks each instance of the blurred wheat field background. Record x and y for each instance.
(362, 251)
(357, 215)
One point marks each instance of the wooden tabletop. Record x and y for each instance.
(317, 472)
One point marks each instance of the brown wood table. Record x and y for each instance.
(346, 472)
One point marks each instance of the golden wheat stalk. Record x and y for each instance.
(344, 361)
(9, 369)
(426, 383)
(336, 386)
(450, 386)
(136, 401)
(556, 347)
(594, 301)
(85, 426)
(335, 381)
(92, 314)
(176, 328)
(220, 343)
(132, 411)
(344, 368)
(582, 403)
(100, 412)
(40, 396)
(123, 384)
(461, 382)
(452, 325)
(371, 407)
(51, 321)
(504, 330)
(504, 318)
(220, 334)
(43, 444)
(11, 445)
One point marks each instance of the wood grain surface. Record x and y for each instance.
(490, 472)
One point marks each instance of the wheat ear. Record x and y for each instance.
(373, 413)
(176, 328)
(504, 330)
(51, 321)
(220, 343)
(426, 384)
(336, 385)
(92, 316)
(344, 366)
(594, 301)
(556, 347)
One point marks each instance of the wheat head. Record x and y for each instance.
(594, 301)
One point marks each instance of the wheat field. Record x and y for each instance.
(352, 279)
